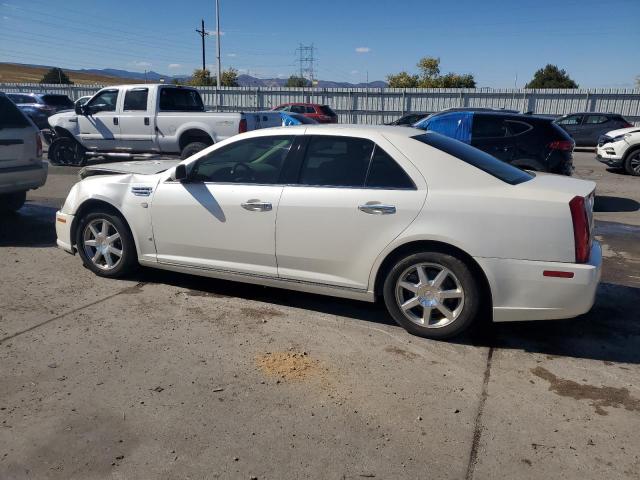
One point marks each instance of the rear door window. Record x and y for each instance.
(309, 109)
(571, 120)
(488, 126)
(297, 109)
(180, 100)
(10, 115)
(136, 99)
(596, 119)
(336, 161)
(326, 109)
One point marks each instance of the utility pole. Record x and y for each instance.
(219, 76)
(203, 33)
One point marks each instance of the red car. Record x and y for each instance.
(320, 113)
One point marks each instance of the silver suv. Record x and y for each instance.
(21, 164)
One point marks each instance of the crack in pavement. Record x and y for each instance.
(133, 288)
(477, 430)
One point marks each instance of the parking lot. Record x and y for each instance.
(173, 376)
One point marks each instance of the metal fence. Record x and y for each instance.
(382, 105)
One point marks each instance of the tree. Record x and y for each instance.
(295, 81)
(551, 77)
(229, 78)
(429, 77)
(56, 75)
(201, 78)
(402, 80)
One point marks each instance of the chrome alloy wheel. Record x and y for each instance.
(429, 295)
(634, 162)
(102, 244)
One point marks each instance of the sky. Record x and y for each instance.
(501, 42)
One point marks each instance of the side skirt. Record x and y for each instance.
(297, 285)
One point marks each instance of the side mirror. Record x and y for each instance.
(79, 110)
(180, 173)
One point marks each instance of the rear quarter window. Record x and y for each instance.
(475, 157)
(10, 115)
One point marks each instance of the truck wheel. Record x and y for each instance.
(66, 151)
(632, 163)
(192, 148)
(12, 202)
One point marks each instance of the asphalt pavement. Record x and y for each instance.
(174, 376)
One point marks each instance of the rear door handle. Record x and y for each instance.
(115, 120)
(257, 206)
(377, 209)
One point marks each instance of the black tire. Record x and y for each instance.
(12, 202)
(192, 148)
(128, 260)
(66, 151)
(632, 163)
(463, 310)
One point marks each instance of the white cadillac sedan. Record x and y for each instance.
(435, 227)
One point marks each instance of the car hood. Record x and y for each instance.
(140, 167)
(622, 131)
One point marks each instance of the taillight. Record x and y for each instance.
(38, 145)
(581, 229)
(562, 145)
(242, 126)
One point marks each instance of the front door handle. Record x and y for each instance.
(257, 206)
(377, 209)
(146, 120)
(115, 120)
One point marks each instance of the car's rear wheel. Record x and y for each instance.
(12, 202)
(105, 245)
(632, 163)
(432, 294)
(192, 148)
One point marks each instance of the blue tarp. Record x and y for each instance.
(289, 120)
(454, 124)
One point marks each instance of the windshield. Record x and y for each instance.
(479, 159)
(58, 101)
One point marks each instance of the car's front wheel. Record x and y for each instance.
(105, 245)
(432, 294)
(66, 151)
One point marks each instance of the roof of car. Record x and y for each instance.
(346, 129)
(589, 113)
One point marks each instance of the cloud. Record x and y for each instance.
(5, 17)
(354, 72)
(363, 49)
(174, 65)
(213, 32)
(232, 54)
(141, 64)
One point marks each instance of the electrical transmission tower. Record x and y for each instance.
(306, 60)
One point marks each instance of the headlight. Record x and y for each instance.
(620, 138)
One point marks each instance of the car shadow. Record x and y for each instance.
(31, 226)
(605, 203)
(610, 332)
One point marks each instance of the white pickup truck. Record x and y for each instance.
(145, 120)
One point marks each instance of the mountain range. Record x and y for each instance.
(243, 80)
